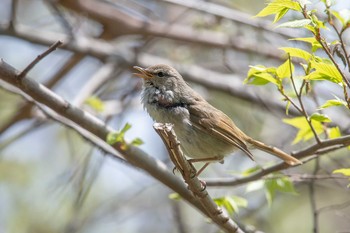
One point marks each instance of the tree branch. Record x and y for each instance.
(188, 172)
(94, 126)
(38, 59)
(317, 149)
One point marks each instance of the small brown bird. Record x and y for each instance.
(205, 133)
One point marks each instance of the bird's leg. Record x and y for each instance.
(207, 162)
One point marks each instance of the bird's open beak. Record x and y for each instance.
(143, 73)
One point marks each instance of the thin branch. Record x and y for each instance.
(298, 94)
(38, 59)
(62, 19)
(325, 146)
(13, 14)
(188, 172)
(334, 207)
(313, 202)
(82, 121)
(231, 14)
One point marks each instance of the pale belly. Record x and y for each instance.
(195, 143)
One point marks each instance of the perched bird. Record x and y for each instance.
(206, 134)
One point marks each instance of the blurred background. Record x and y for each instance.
(52, 180)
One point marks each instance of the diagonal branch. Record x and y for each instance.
(38, 59)
(94, 126)
(188, 173)
(323, 147)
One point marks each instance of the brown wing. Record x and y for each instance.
(219, 124)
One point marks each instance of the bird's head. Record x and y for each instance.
(160, 76)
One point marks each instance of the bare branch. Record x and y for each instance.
(38, 59)
(188, 172)
(87, 122)
(317, 149)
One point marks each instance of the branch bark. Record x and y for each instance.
(85, 120)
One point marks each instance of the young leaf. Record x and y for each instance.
(118, 136)
(251, 170)
(334, 132)
(320, 117)
(333, 102)
(114, 137)
(231, 203)
(295, 52)
(344, 171)
(311, 40)
(287, 107)
(324, 71)
(137, 142)
(283, 184)
(260, 75)
(280, 14)
(174, 196)
(295, 23)
(95, 103)
(254, 186)
(304, 131)
(278, 6)
(126, 127)
(283, 71)
(260, 79)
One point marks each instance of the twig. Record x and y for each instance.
(13, 14)
(188, 173)
(334, 207)
(84, 122)
(62, 19)
(38, 59)
(298, 94)
(317, 149)
(313, 202)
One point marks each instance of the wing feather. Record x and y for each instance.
(219, 124)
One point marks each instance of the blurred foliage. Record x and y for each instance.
(52, 180)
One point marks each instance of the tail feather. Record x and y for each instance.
(274, 151)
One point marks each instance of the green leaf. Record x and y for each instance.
(95, 103)
(333, 102)
(337, 15)
(231, 203)
(311, 40)
(126, 127)
(137, 142)
(324, 71)
(344, 171)
(283, 184)
(320, 117)
(296, 52)
(283, 70)
(251, 170)
(254, 186)
(295, 23)
(114, 137)
(303, 3)
(278, 6)
(334, 132)
(174, 196)
(260, 75)
(287, 107)
(304, 131)
(261, 79)
(343, 16)
(280, 14)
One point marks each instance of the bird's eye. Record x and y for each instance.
(160, 74)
